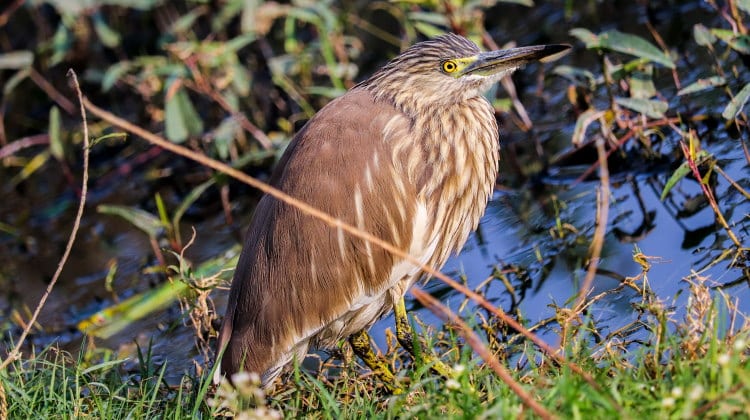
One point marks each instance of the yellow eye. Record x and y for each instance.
(449, 66)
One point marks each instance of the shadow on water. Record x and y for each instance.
(536, 231)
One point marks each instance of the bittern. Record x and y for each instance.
(410, 156)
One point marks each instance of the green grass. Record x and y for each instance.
(681, 369)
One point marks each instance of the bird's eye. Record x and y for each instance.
(449, 66)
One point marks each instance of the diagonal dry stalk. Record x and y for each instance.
(15, 353)
(708, 193)
(602, 217)
(484, 352)
(339, 224)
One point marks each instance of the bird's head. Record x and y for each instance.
(451, 68)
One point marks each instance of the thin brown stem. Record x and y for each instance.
(476, 344)
(20, 144)
(52, 92)
(602, 215)
(709, 195)
(15, 353)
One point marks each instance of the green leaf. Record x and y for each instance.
(15, 60)
(428, 30)
(576, 75)
(113, 319)
(241, 79)
(641, 82)
(434, 18)
(114, 73)
(141, 219)
(325, 91)
(185, 23)
(119, 134)
(743, 5)
(181, 118)
(737, 103)
(239, 42)
(587, 37)
(650, 107)
(188, 201)
(584, 120)
(55, 138)
(62, 42)
(224, 135)
(739, 43)
(133, 4)
(14, 80)
(109, 321)
(702, 84)
(30, 167)
(107, 35)
(681, 172)
(703, 36)
(624, 43)
(527, 3)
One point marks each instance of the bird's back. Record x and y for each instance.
(285, 291)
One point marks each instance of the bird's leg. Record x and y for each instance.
(406, 339)
(360, 343)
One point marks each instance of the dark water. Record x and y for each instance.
(514, 232)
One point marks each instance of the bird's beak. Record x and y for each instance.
(493, 62)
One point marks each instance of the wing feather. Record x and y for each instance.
(296, 274)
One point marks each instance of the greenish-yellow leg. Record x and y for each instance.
(406, 339)
(360, 343)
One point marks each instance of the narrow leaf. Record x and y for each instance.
(181, 118)
(114, 73)
(109, 321)
(582, 123)
(107, 35)
(703, 36)
(30, 167)
(743, 5)
(625, 43)
(55, 137)
(702, 84)
(650, 107)
(141, 219)
(739, 43)
(188, 201)
(737, 103)
(15, 60)
(14, 80)
(576, 75)
(681, 172)
(641, 82)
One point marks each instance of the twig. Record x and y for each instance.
(4, 17)
(338, 224)
(475, 342)
(53, 93)
(15, 353)
(20, 144)
(663, 45)
(201, 85)
(622, 140)
(597, 242)
(721, 172)
(510, 88)
(709, 195)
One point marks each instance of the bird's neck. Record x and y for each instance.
(457, 167)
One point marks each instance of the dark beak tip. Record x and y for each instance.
(553, 52)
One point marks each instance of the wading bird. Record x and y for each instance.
(410, 156)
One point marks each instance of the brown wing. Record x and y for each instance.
(296, 274)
